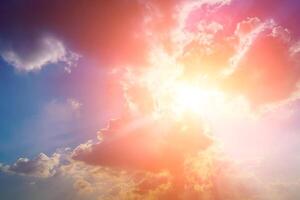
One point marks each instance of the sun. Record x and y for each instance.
(189, 97)
(166, 91)
(193, 98)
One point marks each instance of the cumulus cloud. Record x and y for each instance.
(55, 119)
(131, 136)
(82, 186)
(239, 55)
(149, 146)
(205, 176)
(96, 182)
(42, 166)
(255, 51)
(35, 55)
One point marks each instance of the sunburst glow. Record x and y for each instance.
(175, 94)
(193, 98)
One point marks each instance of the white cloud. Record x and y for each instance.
(46, 50)
(42, 166)
(191, 6)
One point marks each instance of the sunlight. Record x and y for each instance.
(194, 99)
(191, 98)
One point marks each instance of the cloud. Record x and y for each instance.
(263, 69)
(82, 186)
(150, 146)
(91, 28)
(101, 37)
(261, 58)
(38, 53)
(254, 50)
(131, 136)
(55, 120)
(257, 52)
(96, 182)
(247, 32)
(206, 176)
(250, 57)
(295, 49)
(42, 166)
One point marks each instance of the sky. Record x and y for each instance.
(149, 99)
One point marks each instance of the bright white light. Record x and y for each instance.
(191, 98)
